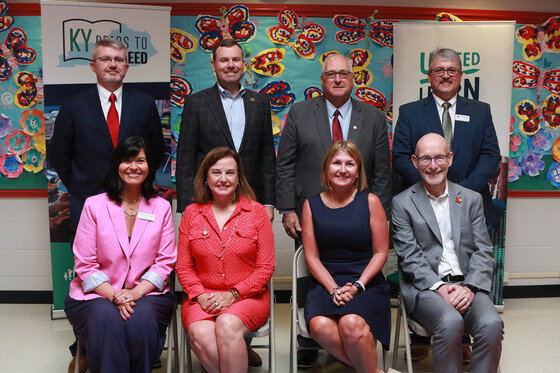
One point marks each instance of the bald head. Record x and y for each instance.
(432, 140)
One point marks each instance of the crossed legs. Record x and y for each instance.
(347, 338)
(219, 344)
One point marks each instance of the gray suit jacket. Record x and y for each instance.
(417, 240)
(306, 138)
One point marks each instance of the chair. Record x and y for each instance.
(300, 283)
(409, 324)
(266, 330)
(172, 331)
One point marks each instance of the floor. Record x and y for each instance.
(31, 342)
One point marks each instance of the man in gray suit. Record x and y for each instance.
(445, 261)
(311, 128)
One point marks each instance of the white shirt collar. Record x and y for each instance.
(104, 94)
(445, 192)
(344, 110)
(440, 101)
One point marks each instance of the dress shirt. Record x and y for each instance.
(106, 104)
(449, 262)
(234, 109)
(452, 109)
(344, 116)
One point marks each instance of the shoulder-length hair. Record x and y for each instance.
(125, 150)
(203, 194)
(352, 150)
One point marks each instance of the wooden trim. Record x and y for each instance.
(24, 9)
(23, 193)
(533, 194)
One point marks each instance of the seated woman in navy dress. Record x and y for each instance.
(345, 242)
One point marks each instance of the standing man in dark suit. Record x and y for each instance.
(229, 115)
(465, 124)
(311, 128)
(446, 262)
(90, 124)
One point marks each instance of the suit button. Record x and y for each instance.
(223, 274)
(437, 257)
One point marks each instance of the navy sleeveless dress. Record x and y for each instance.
(343, 236)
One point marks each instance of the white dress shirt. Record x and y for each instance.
(106, 104)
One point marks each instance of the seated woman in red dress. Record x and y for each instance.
(225, 261)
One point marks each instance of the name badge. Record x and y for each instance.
(146, 216)
(462, 118)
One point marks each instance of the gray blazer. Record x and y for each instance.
(306, 138)
(417, 240)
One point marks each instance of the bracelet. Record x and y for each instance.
(334, 290)
(360, 286)
(234, 292)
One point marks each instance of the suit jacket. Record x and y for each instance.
(102, 250)
(418, 243)
(475, 145)
(81, 148)
(204, 127)
(305, 139)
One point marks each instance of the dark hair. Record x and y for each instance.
(352, 150)
(202, 192)
(127, 149)
(226, 43)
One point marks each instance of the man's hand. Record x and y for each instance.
(446, 291)
(270, 212)
(291, 224)
(462, 299)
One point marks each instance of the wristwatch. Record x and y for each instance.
(361, 288)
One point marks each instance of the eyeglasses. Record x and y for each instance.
(331, 75)
(107, 60)
(439, 71)
(440, 159)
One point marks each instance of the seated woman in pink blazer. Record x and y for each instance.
(225, 261)
(119, 303)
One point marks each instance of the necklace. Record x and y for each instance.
(222, 243)
(345, 202)
(131, 212)
(132, 201)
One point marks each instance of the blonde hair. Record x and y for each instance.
(352, 150)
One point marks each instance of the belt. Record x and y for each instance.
(450, 278)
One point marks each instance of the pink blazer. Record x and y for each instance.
(102, 250)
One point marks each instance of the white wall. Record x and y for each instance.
(532, 245)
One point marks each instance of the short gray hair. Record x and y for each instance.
(445, 54)
(107, 42)
(336, 54)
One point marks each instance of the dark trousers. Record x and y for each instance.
(116, 345)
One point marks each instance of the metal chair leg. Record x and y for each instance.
(78, 357)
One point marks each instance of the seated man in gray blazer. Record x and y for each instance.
(445, 262)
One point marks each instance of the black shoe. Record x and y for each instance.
(306, 358)
(254, 359)
(157, 364)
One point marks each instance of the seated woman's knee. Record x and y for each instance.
(353, 327)
(229, 327)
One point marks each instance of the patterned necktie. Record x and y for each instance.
(336, 129)
(113, 120)
(446, 123)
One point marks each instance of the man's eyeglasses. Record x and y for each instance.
(331, 75)
(439, 71)
(107, 60)
(440, 159)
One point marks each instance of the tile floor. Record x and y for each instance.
(31, 342)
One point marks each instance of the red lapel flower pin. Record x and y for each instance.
(459, 200)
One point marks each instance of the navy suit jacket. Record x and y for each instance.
(204, 127)
(81, 148)
(476, 153)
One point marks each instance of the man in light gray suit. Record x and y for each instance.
(311, 128)
(445, 262)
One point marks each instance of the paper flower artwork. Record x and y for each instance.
(371, 96)
(268, 62)
(33, 161)
(311, 92)
(447, 17)
(180, 88)
(5, 125)
(532, 164)
(354, 29)
(235, 24)
(181, 43)
(15, 51)
(514, 169)
(553, 174)
(279, 93)
(32, 122)
(6, 20)
(10, 166)
(17, 142)
(538, 39)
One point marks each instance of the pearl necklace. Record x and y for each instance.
(346, 202)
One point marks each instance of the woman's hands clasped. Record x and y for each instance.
(215, 302)
(344, 294)
(124, 300)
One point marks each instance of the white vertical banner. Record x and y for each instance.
(486, 51)
(70, 29)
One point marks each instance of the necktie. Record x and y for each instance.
(113, 120)
(336, 129)
(446, 123)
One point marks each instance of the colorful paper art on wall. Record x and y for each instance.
(360, 60)
(6, 20)
(279, 93)
(311, 92)
(15, 51)
(529, 76)
(30, 89)
(532, 116)
(301, 36)
(234, 24)
(10, 166)
(180, 88)
(371, 96)
(354, 30)
(268, 63)
(447, 17)
(181, 43)
(537, 39)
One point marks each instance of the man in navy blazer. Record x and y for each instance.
(81, 146)
(472, 137)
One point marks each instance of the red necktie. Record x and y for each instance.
(336, 129)
(113, 120)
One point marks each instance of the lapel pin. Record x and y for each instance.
(459, 200)
(204, 232)
(252, 99)
(355, 127)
